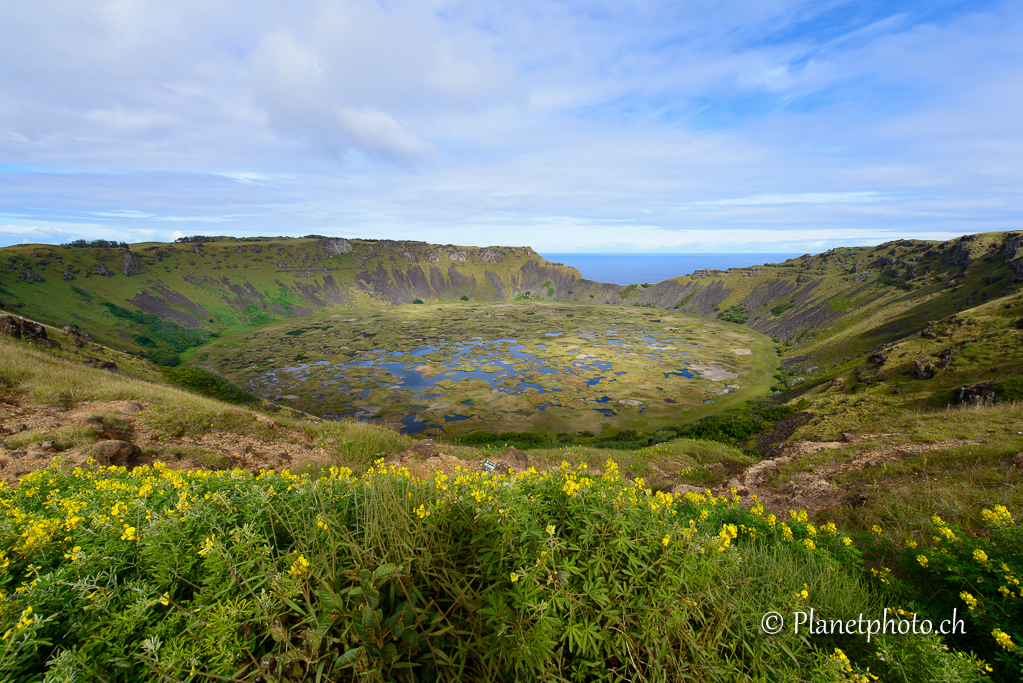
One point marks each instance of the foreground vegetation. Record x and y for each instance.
(158, 574)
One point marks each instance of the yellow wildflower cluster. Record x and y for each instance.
(1000, 516)
(728, 533)
(1003, 639)
(299, 567)
(970, 601)
(841, 662)
(25, 621)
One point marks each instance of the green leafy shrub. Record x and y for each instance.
(464, 297)
(210, 384)
(980, 577)
(736, 314)
(782, 307)
(417, 301)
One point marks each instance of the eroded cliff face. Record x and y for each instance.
(230, 284)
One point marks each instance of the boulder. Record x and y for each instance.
(10, 326)
(101, 269)
(422, 450)
(116, 452)
(129, 408)
(518, 459)
(36, 333)
(924, 370)
(980, 394)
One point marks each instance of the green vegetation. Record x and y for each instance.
(163, 339)
(1011, 389)
(210, 384)
(417, 301)
(96, 244)
(385, 577)
(736, 314)
(782, 307)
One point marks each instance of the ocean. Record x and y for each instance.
(629, 269)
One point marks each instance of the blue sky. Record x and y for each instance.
(645, 126)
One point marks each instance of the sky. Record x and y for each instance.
(588, 127)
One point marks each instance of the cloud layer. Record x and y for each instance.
(569, 126)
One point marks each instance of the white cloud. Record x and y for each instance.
(798, 198)
(631, 124)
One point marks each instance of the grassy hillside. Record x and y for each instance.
(826, 308)
(162, 299)
(169, 567)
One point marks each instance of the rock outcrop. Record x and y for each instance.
(334, 246)
(130, 263)
(19, 328)
(980, 394)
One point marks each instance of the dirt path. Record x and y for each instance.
(813, 490)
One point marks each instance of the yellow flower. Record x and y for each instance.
(876, 530)
(164, 599)
(970, 601)
(911, 544)
(299, 567)
(980, 556)
(514, 577)
(846, 540)
(922, 559)
(666, 540)
(809, 544)
(207, 545)
(1003, 639)
(422, 512)
(550, 529)
(999, 516)
(129, 533)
